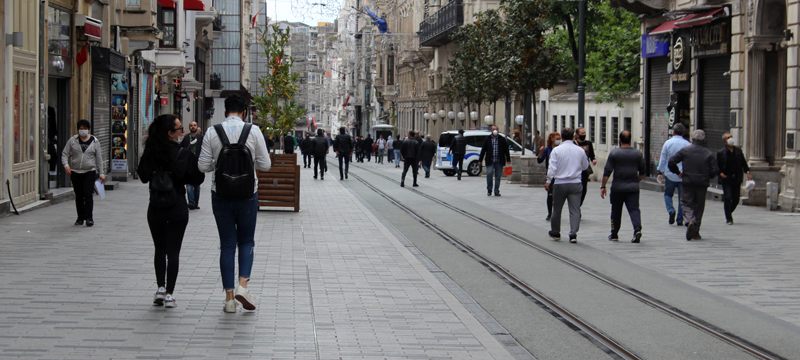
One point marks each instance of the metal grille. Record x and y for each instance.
(658, 99)
(715, 99)
(101, 112)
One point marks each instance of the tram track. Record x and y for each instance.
(586, 329)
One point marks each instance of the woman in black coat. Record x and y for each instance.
(167, 167)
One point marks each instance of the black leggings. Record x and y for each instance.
(83, 186)
(167, 227)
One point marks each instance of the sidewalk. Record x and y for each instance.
(331, 282)
(755, 262)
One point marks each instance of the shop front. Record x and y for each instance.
(59, 70)
(711, 47)
(105, 63)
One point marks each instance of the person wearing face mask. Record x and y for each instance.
(193, 141)
(589, 149)
(699, 167)
(553, 140)
(168, 167)
(82, 159)
(496, 154)
(567, 162)
(732, 164)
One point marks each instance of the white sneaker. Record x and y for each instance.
(230, 306)
(158, 298)
(243, 296)
(169, 301)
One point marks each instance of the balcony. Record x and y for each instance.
(435, 30)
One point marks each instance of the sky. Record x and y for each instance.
(306, 11)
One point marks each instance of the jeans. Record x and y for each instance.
(306, 160)
(192, 195)
(669, 191)
(380, 156)
(322, 163)
(570, 193)
(458, 163)
(631, 201)
(731, 194)
(426, 165)
(167, 227)
(236, 224)
(494, 173)
(343, 169)
(396, 157)
(414, 169)
(83, 186)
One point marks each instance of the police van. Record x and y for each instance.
(475, 140)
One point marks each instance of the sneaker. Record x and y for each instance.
(671, 218)
(243, 296)
(554, 235)
(415, 185)
(637, 237)
(158, 298)
(497, 194)
(89, 223)
(547, 218)
(730, 222)
(613, 237)
(169, 301)
(402, 184)
(79, 221)
(489, 193)
(573, 238)
(230, 306)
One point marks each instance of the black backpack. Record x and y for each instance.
(234, 173)
(162, 190)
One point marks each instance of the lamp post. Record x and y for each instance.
(581, 58)
(520, 119)
(452, 116)
(462, 116)
(488, 120)
(473, 115)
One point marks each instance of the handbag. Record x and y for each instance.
(507, 170)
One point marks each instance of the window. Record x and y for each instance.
(626, 123)
(390, 70)
(563, 121)
(614, 130)
(603, 130)
(476, 141)
(167, 25)
(590, 130)
(572, 121)
(555, 123)
(135, 4)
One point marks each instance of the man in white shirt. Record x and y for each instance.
(236, 219)
(567, 162)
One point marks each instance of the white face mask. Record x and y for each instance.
(731, 142)
(179, 140)
(494, 132)
(558, 142)
(83, 133)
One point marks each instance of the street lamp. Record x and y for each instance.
(426, 116)
(434, 117)
(462, 117)
(473, 115)
(442, 113)
(488, 119)
(520, 120)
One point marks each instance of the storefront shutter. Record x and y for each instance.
(715, 99)
(658, 99)
(101, 111)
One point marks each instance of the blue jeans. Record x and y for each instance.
(236, 223)
(494, 172)
(192, 194)
(396, 157)
(669, 191)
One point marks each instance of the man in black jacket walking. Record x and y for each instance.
(699, 167)
(343, 147)
(495, 151)
(366, 148)
(458, 148)
(320, 150)
(732, 165)
(410, 151)
(306, 146)
(426, 153)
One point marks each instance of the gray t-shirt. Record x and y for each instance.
(627, 164)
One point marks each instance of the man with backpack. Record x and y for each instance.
(320, 150)
(343, 146)
(234, 150)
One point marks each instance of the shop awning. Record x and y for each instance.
(691, 20)
(194, 5)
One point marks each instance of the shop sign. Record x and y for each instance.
(710, 40)
(92, 28)
(654, 46)
(680, 60)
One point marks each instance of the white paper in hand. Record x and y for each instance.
(100, 188)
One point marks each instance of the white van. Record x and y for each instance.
(475, 140)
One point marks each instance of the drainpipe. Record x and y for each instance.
(8, 101)
(135, 113)
(44, 167)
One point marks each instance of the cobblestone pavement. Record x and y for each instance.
(331, 282)
(755, 262)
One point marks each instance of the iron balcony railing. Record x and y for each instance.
(435, 30)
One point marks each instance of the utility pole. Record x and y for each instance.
(581, 60)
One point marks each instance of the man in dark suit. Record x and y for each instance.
(410, 152)
(343, 147)
(320, 150)
(495, 152)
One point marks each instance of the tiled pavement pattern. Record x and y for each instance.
(332, 283)
(755, 262)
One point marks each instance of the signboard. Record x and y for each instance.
(681, 56)
(118, 165)
(712, 39)
(655, 46)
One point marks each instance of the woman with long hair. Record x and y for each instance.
(553, 140)
(167, 167)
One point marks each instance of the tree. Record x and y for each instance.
(276, 112)
(464, 77)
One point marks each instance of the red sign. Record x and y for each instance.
(164, 101)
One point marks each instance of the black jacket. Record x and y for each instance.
(427, 150)
(288, 144)
(190, 143)
(699, 165)
(410, 149)
(459, 145)
(733, 165)
(305, 146)
(180, 163)
(320, 146)
(502, 147)
(343, 144)
(366, 144)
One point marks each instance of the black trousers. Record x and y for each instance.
(344, 169)
(731, 192)
(693, 199)
(306, 160)
(414, 169)
(550, 201)
(585, 184)
(321, 163)
(458, 163)
(83, 186)
(631, 201)
(167, 227)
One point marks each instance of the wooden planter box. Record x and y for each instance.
(280, 186)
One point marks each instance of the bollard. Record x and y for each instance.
(772, 195)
